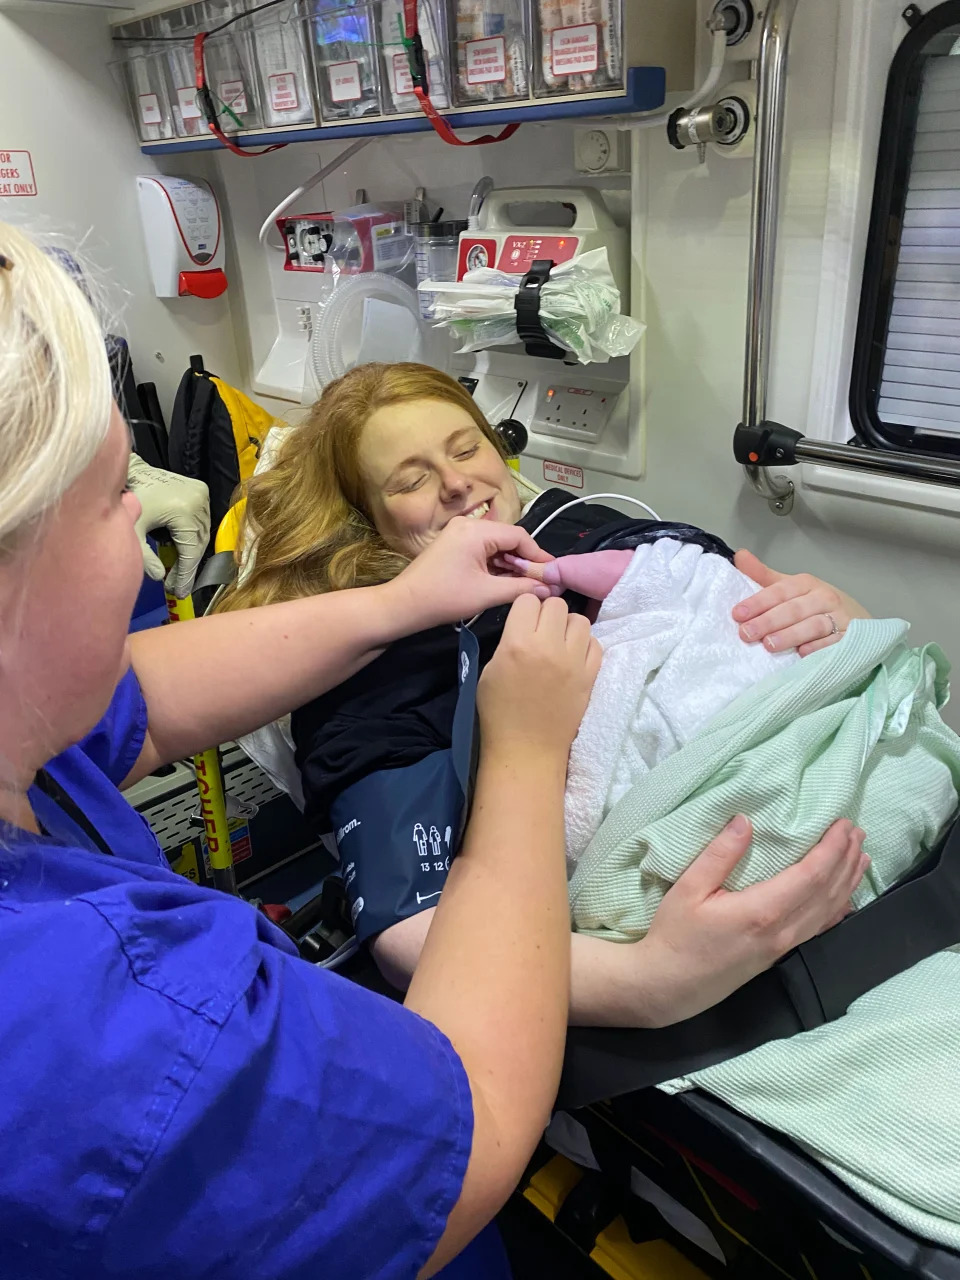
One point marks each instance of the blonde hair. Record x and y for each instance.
(55, 385)
(306, 521)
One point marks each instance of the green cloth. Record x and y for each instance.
(852, 731)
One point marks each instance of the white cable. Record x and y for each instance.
(302, 190)
(590, 497)
(340, 957)
(718, 57)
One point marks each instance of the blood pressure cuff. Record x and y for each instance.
(397, 830)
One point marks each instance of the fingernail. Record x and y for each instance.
(740, 612)
(748, 632)
(739, 826)
(771, 643)
(517, 562)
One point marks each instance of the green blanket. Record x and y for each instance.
(852, 731)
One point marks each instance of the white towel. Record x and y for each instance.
(672, 660)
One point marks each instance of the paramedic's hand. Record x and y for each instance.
(535, 689)
(454, 577)
(706, 941)
(182, 507)
(793, 611)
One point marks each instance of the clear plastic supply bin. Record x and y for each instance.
(345, 59)
(232, 79)
(279, 36)
(141, 65)
(577, 46)
(491, 44)
(397, 92)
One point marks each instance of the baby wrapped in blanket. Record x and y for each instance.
(687, 727)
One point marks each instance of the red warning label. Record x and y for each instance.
(16, 174)
(560, 473)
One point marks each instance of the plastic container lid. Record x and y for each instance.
(439, 230)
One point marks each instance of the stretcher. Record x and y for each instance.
(770, 1209)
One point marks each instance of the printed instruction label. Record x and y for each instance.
(560, 473)
(16, 174)
(486, 60)
(390, 245)
(150, 108)
(241, 846)
(233, 95)
(283, 91)
(575, 49)
(187, 99)
(402, 79)
(345, 81)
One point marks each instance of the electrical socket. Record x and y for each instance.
(574, 412)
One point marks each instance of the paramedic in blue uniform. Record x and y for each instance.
(182, 1096)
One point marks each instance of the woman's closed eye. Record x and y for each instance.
(467, 453)
(411, 485)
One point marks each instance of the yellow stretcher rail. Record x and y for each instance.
(213, 800)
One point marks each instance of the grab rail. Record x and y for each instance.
(760, 444)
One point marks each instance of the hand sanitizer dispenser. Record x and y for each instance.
(184, 235)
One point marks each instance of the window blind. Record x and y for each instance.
(920, 385)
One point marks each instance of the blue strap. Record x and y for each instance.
(464, 717)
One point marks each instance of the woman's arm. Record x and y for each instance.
(704, 942)
(501, 995)
(212, 680)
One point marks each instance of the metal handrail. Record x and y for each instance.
(764, 221)
(779, 445)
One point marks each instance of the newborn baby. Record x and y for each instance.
(672, 660)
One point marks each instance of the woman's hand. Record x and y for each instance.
(454, 577)
(535, 689)
(793, 611)
(706, 941)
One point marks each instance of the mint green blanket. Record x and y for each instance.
(853, 731)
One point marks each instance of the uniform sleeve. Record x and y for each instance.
(326, 1132)
(114, 745)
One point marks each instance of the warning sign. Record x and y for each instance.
(402, 79)
(486, 60)
(345, 81)
(16, 174)
(283, 91)
(560, 473)
(575, 50)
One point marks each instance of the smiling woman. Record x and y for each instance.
(385, 459)
(425, 461)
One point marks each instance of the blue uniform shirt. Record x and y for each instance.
(181, 1094)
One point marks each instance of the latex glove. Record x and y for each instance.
(182, 507)
(793, 611)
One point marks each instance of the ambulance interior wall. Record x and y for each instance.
(60, 101)
(893, 545)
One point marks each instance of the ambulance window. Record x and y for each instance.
(905, 387)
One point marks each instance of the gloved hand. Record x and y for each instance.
(181, 506)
